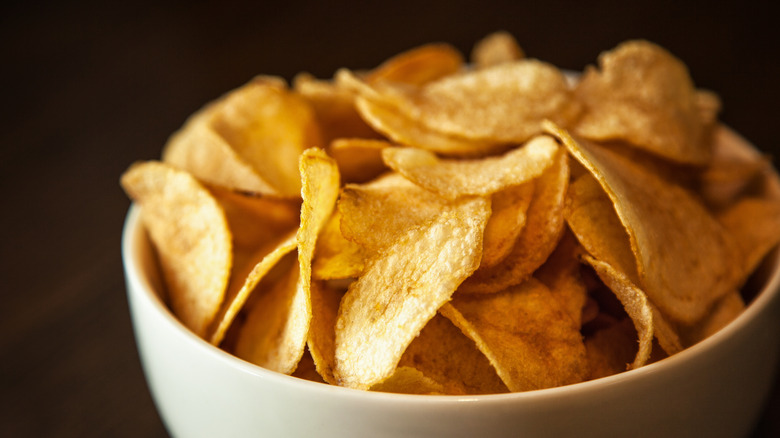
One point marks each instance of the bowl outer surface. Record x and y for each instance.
(715, 388)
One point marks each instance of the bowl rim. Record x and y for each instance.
(136, 245)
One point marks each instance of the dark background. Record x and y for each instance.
(90, 87)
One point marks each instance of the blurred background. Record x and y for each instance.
(89, 87)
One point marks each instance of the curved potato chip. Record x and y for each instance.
(419, 65)
(335, 257)
(543, 228)
(359, 159)
(506, 222)
(401, 290)
(634, 301)
(506, 102)
(191, 235)
(484, 176)
(407, 380)
(684, 256)
(525, 334)
(644, 95)
(561, 274)
(611, 349)
(325, 302)
(265, 125)
(334, 108)
(496, 48)
(375, 214)
(444, 354)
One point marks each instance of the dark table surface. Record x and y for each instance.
(89, 87)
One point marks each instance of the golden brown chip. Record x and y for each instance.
(270, 334)
(611, 349)
(634, 302)
(407, 380)
(335, 257)
(259, 129)
(506, 222)
(334, 107)
(543, 229)
(401, 290)
(685, 257)
(454, 178)
(530, 340)
(374, 215)
(444, 354)
(359, 159)
(506, 102)
(325, 302)
(191, 236)
(644, 95)
(496, 48)
(723, 312)
(419, 65)
(561, 274)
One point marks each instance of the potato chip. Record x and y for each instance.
(419, 65)
(334, 108)
(264, 125)
(496, 48)
(191, 235)
(321, 343)
(359, 159)
(507, 102)
(270, 334)
(401, 290)
(374, 215)
(611, 349)
(454, 178)
(644, 95)
(561, 273)
(509, 207)
(335, 257)
(634, 302)
(526, 335)
(407, 380)
(685, 257)
(445, 355)
(543, 229)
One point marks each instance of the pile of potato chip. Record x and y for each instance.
(438, 225)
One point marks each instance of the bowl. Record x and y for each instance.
(715, 388)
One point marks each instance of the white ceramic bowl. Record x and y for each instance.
(713, 389)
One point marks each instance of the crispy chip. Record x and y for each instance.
(644, 95)
(407, 380)
(561, 274)
(539, 237)
(263, 125)
(454, 178)
(335, 257)
(419, 66)
(506, 222)
(526, 335)
(496, 48)
(359, 159)
(191, 235)
(374, 215)
(444, 354)
(685, 257)
(325, 302)
(611, 349)
(401, 290)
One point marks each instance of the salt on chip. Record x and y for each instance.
(644, 95)
(191, 235)
(543, 229)
(401, 290)
(453, 178)
(685, 258)
(526, 335)
(419, 65)
(264, 126)
(444, 354)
